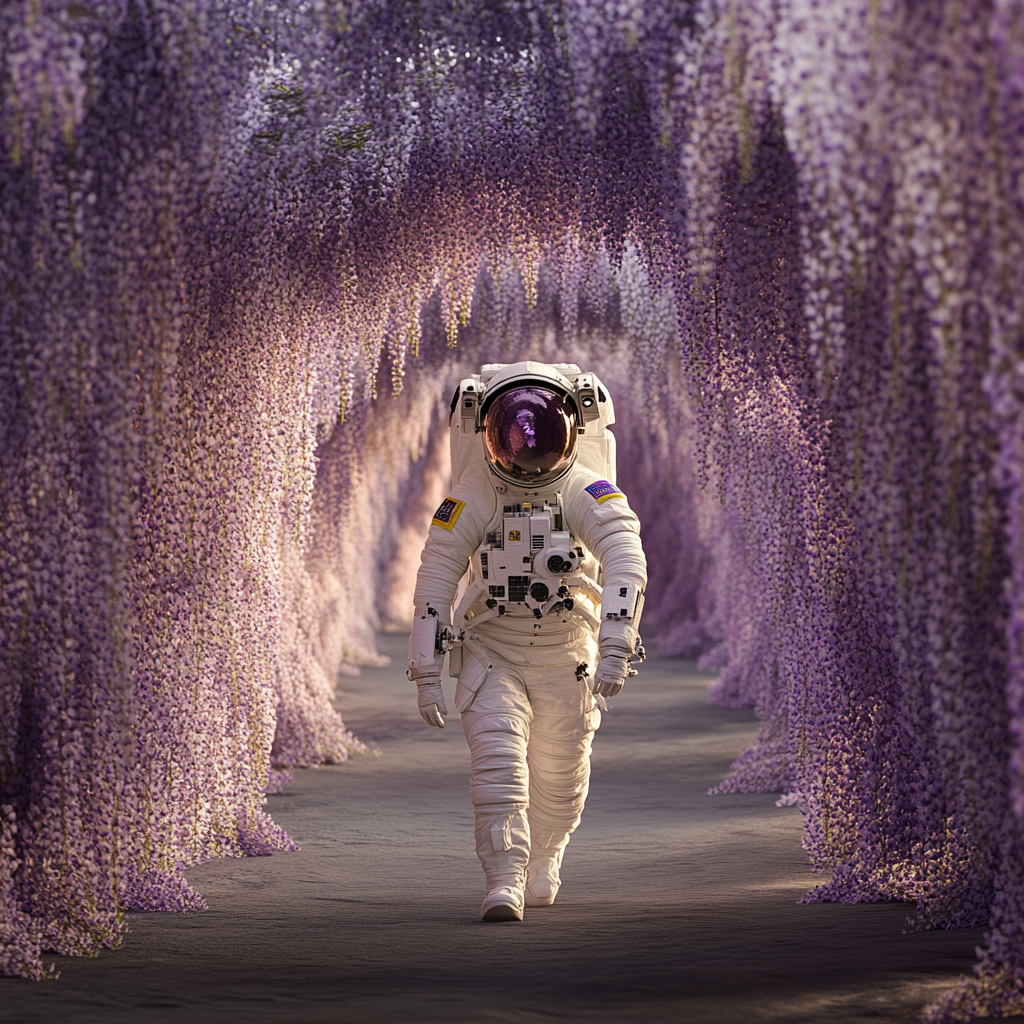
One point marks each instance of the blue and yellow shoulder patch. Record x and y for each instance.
(601, 490)
(448, 512)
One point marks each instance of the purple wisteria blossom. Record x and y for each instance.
(246, 249)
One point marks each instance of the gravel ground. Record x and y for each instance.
(675, 906)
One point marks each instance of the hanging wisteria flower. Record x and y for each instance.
(247, 249)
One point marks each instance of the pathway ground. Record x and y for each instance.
(676, 907)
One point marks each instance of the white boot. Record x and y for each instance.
(542, 880)
(503, 845)
(503, 904)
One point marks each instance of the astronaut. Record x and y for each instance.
(539, 553)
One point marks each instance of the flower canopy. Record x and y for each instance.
(247, 249)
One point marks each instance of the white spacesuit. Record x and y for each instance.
(553, 556)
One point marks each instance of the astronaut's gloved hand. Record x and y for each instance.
(618, 641)
(430, 698)
(611, 673)
(426, 662)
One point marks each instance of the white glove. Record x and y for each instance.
(430, 698)
(618, 642)
(611, 673)
(425, 666)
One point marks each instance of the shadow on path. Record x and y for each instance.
(676, 906)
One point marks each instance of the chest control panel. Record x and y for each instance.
(528, 565)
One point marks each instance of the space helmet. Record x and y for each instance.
(530, 424)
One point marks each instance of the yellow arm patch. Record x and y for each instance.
(448, 512)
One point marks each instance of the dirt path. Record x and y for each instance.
(675, 907)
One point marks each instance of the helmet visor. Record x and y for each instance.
(530, 433)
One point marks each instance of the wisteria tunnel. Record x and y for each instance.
(247, 249)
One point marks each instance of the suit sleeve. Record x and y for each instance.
(456, 531)
(603, 520)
